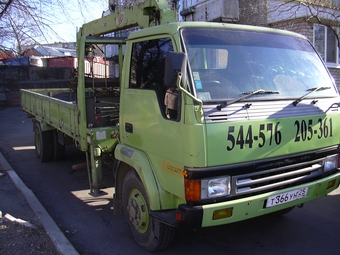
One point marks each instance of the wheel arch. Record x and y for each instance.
(119, 174)
(131, 159)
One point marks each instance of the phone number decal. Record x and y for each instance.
(270, 133)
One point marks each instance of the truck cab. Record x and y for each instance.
(254, 130)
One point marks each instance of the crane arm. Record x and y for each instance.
(146, 14)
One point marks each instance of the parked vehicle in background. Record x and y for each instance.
(22, 61)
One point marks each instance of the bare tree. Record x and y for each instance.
(4, 5)
(324, 12)
(24, 22)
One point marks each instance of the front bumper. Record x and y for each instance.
(250, 207)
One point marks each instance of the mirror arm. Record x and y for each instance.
(200, 103)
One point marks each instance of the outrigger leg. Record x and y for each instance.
(94, 169)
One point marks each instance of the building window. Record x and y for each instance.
(325, 42)
(189, 3)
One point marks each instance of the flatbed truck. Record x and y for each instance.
(203, 124)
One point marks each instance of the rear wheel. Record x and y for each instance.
(43, 143)
(147, 232)
(58, 148)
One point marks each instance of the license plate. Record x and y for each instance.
(286, 197)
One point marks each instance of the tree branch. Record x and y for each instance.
(5, 8)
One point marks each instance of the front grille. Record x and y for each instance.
(276, 177)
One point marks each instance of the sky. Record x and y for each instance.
(74, 16)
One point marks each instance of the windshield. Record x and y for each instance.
(227, 64)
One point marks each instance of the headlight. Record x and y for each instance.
(217, 187)
(330, 163)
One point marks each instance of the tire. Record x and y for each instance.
(43, 142)
(147, 232)
(58, 148)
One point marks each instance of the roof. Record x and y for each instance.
(5, 54)
(172, 27)
(54, 51)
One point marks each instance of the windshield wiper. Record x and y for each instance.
(246, 95)
(311, 90)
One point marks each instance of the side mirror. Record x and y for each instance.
(175, 62)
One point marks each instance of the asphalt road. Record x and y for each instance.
(88, 222)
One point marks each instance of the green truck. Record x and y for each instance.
(202, 124)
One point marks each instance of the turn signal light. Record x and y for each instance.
(192, 190)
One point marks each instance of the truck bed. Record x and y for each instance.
(50, 107)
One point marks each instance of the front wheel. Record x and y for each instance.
(147, 232)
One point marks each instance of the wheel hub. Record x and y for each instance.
(137, 211)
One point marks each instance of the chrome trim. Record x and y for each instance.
(275, 177)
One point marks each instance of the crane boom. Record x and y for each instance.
(147, 14)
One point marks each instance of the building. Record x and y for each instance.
(5, 54)
(210, 10)
(49, 51)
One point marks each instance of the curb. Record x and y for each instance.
(58, 238)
